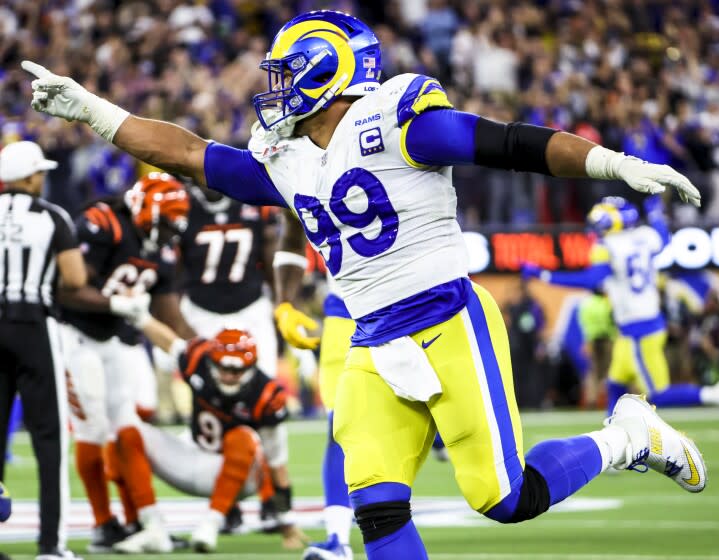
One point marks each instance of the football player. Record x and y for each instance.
(337, 329)
(367, 168)
(125, 243)
(623, 266)
(233, 402)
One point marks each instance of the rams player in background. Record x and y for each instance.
(623, 267)
(367, 168)
(337, 328)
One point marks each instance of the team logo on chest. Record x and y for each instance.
(371, 141)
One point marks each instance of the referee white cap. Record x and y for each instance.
(22, 159)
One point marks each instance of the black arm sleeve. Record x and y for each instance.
(517, 146)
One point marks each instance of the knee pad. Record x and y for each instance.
(531, 501)
(382, 519)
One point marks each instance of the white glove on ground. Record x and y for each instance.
(134, 308)
(642, 176)
(60, 96)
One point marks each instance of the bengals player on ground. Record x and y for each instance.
(226, 262)
(233, 401)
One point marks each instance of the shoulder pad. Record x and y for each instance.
(197, 348)
(410, 94)
(101, 218)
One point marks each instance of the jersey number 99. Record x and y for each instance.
(324, 229)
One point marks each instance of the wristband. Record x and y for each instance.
(283, 258)
(105, 117)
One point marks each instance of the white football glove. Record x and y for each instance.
(133, 308)
(642, 176)
(60, 96)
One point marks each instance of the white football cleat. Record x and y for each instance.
(329, 550)
(204, 537)
(440, 454)
(152, 538)
(654, 444)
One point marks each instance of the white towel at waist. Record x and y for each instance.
(405, 368)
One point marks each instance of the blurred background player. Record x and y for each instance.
(233, 400)
(337, 328)
(225, 257)
(623, 266)
(126, 243)
(582, 338)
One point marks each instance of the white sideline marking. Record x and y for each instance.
(529, 419)
(181, 514)
(434, 556)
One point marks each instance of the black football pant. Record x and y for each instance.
(31, 364)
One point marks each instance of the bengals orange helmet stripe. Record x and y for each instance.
(234, 348)
(157, 195)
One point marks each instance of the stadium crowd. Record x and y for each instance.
(639, 76)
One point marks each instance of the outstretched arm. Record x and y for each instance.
(156, 142)
(470, 139)
(161, 335)
(164, 145)
(159, 143)
(590, 278)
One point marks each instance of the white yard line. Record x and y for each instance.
(433, 556)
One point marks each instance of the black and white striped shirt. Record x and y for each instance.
(32, 233)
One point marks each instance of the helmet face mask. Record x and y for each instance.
(315, 58)
(232, 360)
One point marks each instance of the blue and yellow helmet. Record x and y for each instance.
(315, 58)
(612, 214)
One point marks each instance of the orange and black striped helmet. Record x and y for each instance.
(158, 197)
(234, 349)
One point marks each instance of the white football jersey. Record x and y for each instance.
(385, 225)
(632, 289)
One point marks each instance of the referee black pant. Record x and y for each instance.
(31, 363)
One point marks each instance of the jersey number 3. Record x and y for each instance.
(322, 228)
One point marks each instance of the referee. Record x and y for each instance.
(37, 248)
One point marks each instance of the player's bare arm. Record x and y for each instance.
(270, 236)
(289, 261)
(166, 308)
(75, 293)
(73, 274)
(289, 265)
(159, 333)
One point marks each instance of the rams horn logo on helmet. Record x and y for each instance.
(315, 58)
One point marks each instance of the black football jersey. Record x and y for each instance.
(222, 253)
(113, 250)
(259, 403)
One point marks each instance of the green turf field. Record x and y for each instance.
(655, 518)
